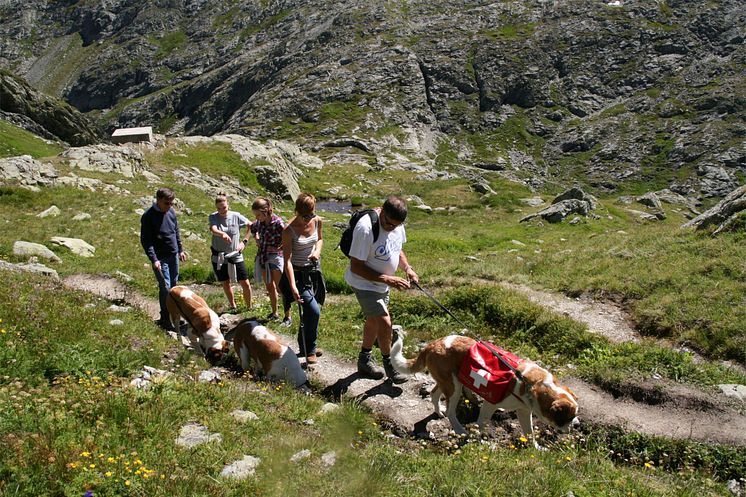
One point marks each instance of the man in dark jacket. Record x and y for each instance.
(159, 236)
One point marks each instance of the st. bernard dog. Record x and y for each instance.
(538, 393)
(272, 357)
(203, 324)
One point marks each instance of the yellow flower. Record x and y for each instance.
(466, 401)
(127, 483)
(649, 465)
(523, 439)
(91, 466)
(108, 474)
(138, 462)
(568, 458)
(111, 459)
(85, 454)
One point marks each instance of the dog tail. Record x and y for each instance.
(403, 365)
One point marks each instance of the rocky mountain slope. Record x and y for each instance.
(48, 117)
(607, 94)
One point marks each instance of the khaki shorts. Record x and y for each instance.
(373, 304)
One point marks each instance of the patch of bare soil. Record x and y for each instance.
(660, 409)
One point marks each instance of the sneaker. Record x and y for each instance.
(311, 359)
(391, 373)
(367, 367)
(273, 317)
(287, 323)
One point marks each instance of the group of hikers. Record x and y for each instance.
(288, 262)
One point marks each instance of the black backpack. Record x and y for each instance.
(346, 241)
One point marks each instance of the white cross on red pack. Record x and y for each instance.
(480, 378)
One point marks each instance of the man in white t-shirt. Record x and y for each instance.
(373, 264)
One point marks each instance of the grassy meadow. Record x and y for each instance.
(71, 423)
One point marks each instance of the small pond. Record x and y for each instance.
(337, 206)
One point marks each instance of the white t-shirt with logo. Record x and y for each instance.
(381, 256)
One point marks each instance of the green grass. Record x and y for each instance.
(70, 424)
(683, 286)
(214, 159)
(169, 43)
(18, 141)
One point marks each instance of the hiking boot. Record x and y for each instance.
(367, 367)
(286, 323)
(391, 373)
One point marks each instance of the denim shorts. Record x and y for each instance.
(373, 304)
(275, 262)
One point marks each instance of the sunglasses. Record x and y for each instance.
(308, 217)
(388, 223)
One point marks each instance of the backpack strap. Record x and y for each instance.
(374, 224)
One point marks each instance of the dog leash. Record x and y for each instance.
(518, 374)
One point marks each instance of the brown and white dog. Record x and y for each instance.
(272, 357)
(539, 393)
(203, 324)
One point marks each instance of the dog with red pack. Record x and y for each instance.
(501, 379)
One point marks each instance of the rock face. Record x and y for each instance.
(607, 91)
(123, 160)
(724, 214)
(56, 118)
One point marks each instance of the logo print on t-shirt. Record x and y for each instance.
(382, 252)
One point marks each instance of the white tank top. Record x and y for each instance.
(302, 246)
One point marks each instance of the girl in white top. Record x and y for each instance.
(302, 241)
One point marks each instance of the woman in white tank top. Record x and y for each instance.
(302, 241)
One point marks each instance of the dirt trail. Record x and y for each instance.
(601, 318)
(684, 412)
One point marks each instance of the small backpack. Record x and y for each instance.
(345, 243)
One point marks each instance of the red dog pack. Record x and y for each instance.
(485, 374)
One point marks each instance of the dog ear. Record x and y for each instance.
(563, 411)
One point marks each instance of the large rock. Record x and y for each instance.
(26, 171)
(121, 159)
(29, 249)
(32, 267)
(572, 201)
(724, 213)
(76, 245)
